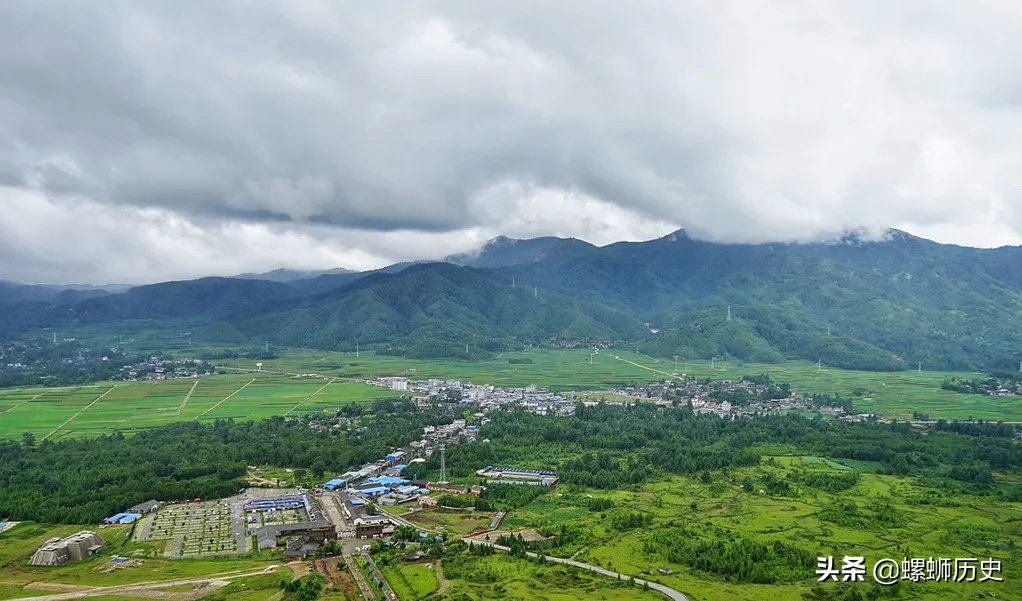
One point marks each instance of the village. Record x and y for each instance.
(745, 398)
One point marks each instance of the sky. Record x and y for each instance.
(147, 140)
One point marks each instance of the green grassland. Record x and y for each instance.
(501, 577)
(100, 408)
(924, 523)
(452, 520)
(410, 581)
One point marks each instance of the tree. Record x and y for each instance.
(28, 439)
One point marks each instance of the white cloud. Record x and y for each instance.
(217, 137)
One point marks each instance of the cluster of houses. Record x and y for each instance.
(156, 368)
(720, 397)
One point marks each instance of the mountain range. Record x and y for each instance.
(880, 304)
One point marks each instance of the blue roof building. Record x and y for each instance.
(334, 484)
(387, 480)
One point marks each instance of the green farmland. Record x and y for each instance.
(894, 394)
(250, 394)
(101, 408)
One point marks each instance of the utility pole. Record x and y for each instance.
(535, 292)
(512, 283)
(920, 370)
(675, 364)
(267, 347)
(713, 363)
(590, 358)
(356, 350)
(828, 329)
(729, 312)
(54, 338)
(819, 365)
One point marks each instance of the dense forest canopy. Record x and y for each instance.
(82, 481)
(852, 303)
(86, 480)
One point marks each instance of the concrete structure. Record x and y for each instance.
(144, 508)
(317, 531)
(370, 526)
(76, 547)
(507, 475)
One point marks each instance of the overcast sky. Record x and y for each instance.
(144, 140)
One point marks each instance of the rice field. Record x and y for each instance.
(892, 394)
(91, 410)
(56, 413)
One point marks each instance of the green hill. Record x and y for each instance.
(868, 304)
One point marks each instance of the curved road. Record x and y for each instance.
(669, 592)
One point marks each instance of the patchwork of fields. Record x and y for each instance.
(56, 413)
(91, 410)
(894, 394)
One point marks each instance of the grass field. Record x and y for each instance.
(410, 581)
(949, 525)
(452, 520)
(499, 577)
(100, 408)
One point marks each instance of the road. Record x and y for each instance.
(87, 407)
(227, 398)
(310, 397)
(218, 580)
(668, 592)
(389, 592)
(336, 516)
(367, 591)
(659, 371)
(181, 407)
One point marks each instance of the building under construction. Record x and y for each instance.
(76, 547)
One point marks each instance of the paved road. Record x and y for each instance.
(336, 516)
(669, 592)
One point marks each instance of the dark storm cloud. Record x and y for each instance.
(370, 132)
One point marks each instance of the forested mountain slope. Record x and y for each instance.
(884, 304)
